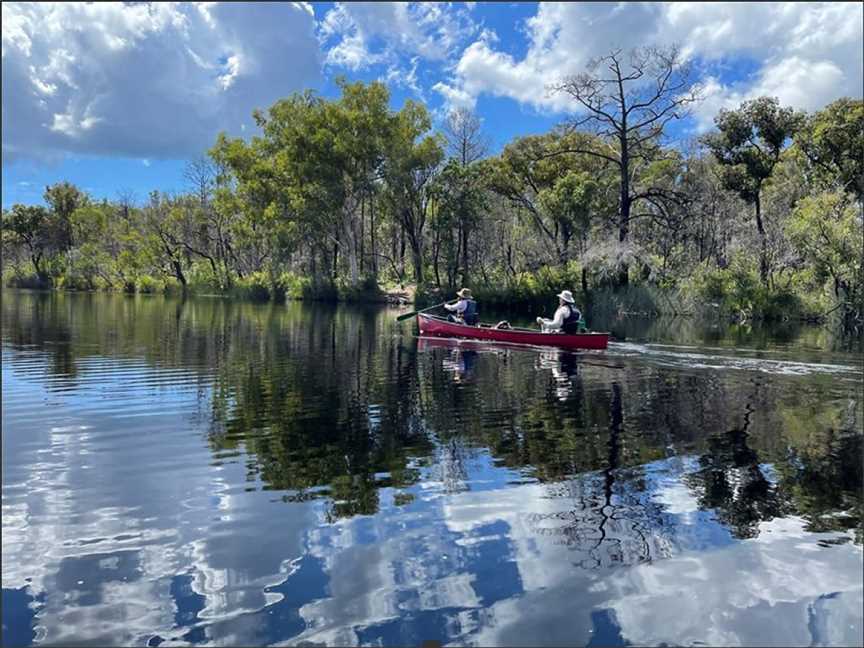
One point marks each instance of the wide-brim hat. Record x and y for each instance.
(567, 296)
(465, 292)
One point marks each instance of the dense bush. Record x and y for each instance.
(737, 292)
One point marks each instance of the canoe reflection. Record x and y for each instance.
(461, 359)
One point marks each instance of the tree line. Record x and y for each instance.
(347, 197)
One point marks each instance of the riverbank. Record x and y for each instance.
(256, 287)
(733, 294)
(527, 299)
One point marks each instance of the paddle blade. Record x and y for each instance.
(405, 316)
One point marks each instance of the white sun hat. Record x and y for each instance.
(567, 296)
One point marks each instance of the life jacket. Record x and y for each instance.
(571, 322)
(469, 315)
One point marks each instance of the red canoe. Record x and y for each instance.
(432, 325)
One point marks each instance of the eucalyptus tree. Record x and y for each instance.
(558, 190)
(412, 160)
(63, 198)
(748, 144)
(832, 142)
(29, 226)
(462, 199)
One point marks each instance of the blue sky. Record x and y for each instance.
(118, 97)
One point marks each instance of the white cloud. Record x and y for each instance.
(405, 78)
(804, 84)
(810, 52)
(360, 34)
(456, 97)
(145, 80)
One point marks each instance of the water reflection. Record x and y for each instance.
(209, 472)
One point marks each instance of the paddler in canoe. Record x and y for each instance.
(568, 318)
(465, 310)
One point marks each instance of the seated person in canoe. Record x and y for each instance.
(568, 318)
(465, 310)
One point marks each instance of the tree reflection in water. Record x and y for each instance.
(731, 481)
(330, 403)
(614, 521)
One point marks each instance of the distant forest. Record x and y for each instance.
(346, 198)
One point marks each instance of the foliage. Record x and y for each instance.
(832, 141)
(827, 229)
(736, 290)
(748, 146)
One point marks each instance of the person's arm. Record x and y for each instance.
(556, 322)
(458, 307)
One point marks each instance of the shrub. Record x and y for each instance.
(256, 286)
(292, 286)
(171, 286)
(148, 285)
(738, 292)
(366, 291)
(30, 281)
(74, 281)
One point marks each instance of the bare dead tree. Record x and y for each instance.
(466, 143)
(465, 139)
(201, 175)
(628, 99)
(126, 200)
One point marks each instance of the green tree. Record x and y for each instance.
(462, 199)
(832, 142)
(827, 229)
(409, 169)
(558, 189)
(64, 198)
(466, 145)
(748, 145)
(30, 226)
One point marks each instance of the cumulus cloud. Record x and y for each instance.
(145, 80)
(810, 53)
(360, 34)
(802, 83)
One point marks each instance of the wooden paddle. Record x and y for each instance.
(405, 316)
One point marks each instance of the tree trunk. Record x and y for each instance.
(335, 270)
(372, 236)
(585, 282)
(36, 259)
(763, 242)
(362, 230)
(624, 215)
(465, 279)
(417, 256)
(178, 272)
(402, 252)
(436, 251)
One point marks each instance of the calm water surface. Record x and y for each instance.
(205, 472)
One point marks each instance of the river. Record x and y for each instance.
(202, 471)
